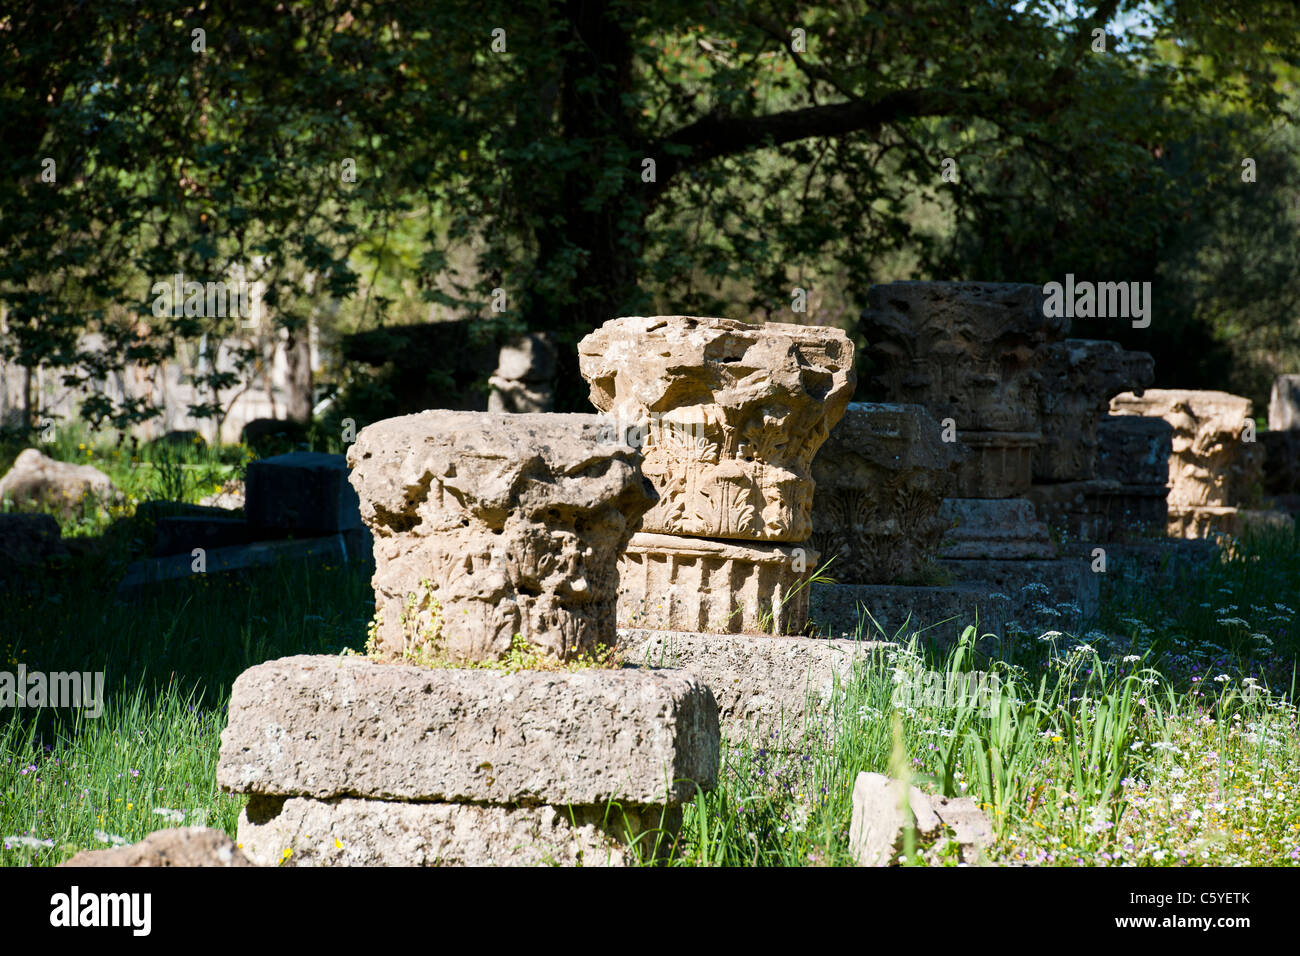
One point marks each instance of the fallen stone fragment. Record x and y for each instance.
(876, 828)
(36, 480)
(178, 846)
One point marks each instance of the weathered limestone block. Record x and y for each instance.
(1079, 378)
(969, 351)
(490, 525)
(730, 416)
(1284, 404)
(1135, 450)
(305, 492)
(998, 464)
(326, 727)
(345, 831)
(725, 587)
(1004, 528)
(881, 477)
(37, 480)
(1212, 464)
(763, 685)
(176, 846)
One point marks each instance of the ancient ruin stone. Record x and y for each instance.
(1284, 404)
(327, 726)
(1079, 378)
(1211, 464)
(303, 492)
(881, 477)
(769, 685)
(39, 481)
(876, 827)
(730, 416)
(178, 846)
(1208, 520)
(700, 584)
(490, 525)
(1135, 450)
(997, 464)
(349, 832)
(969, 351)
(1000, 528)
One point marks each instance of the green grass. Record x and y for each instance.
(1165, 734)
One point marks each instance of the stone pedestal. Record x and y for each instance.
(1215, 462)
(729, 416)
(349, 761)
(490, 525)
(1080, 509)
(881, 478)
(969, 351)
(1080, 376)
(668, 582)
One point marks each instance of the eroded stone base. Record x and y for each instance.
(762, 684)
(668, 582)
(301, 831)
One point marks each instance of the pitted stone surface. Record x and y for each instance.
(701, 584)
(323, 727)
(1212, 463)
(350, 832)
(969, 351)
(763, 684)
(1079, 378)
(490, 525)
(729, 414)
(881, 478)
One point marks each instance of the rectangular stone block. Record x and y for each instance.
(304, 492)
(351, 832)
(324, 727)
(762, 684)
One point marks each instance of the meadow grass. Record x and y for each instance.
(1165, 734)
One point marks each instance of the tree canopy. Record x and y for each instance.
(574, 161)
